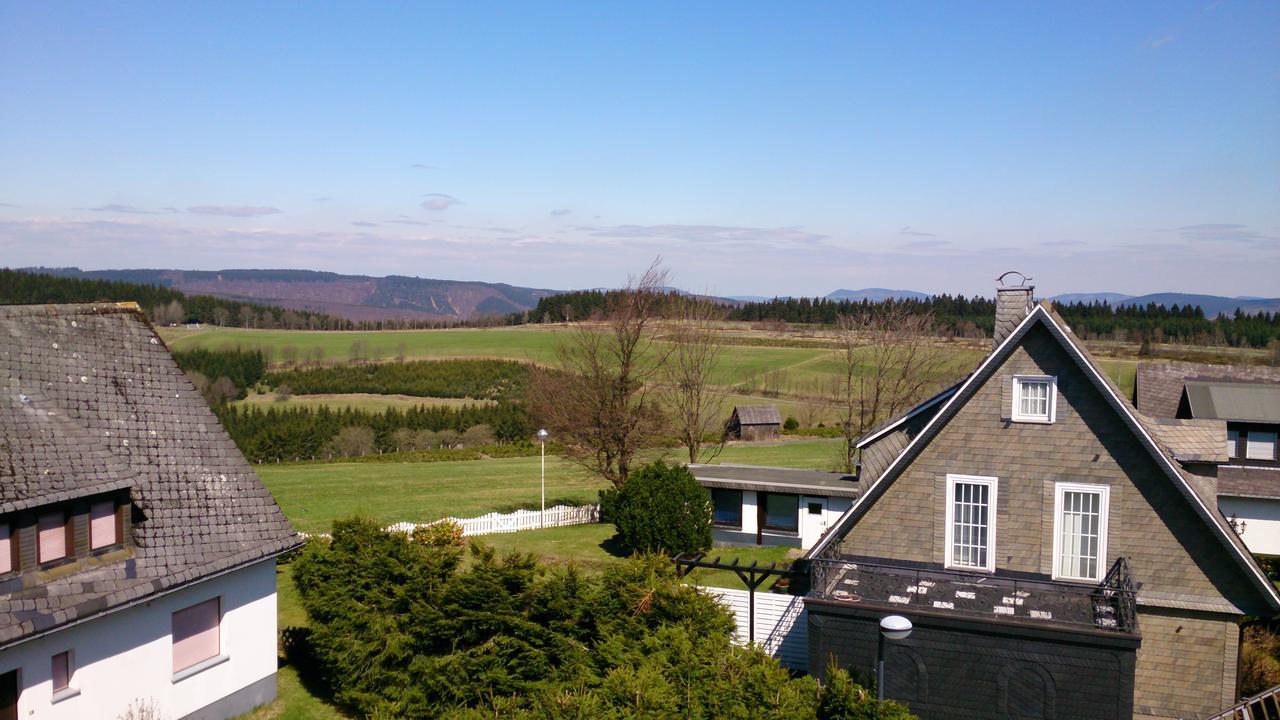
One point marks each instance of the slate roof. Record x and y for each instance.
(1203, 502)
(1158, 386)
(758, 415)
(1195, 441)
(1249, 482)
(90, 401)
(769, 479)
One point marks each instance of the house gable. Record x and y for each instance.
(1179, 550)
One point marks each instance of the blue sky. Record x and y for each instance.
(759, 148)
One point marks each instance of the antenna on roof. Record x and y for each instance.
(1022, 279)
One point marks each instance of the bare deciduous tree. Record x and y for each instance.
(696, 350)
(601, 404)
(887, 363)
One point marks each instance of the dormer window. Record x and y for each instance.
(8, 549)
(55, 540)
(105, 523)
(1034, 398)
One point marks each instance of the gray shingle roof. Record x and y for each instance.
(1158, 386)
(758, 414)
(1254, 482)
(93, 401)
(1241, 401)
(1198, 441)
(770, 479)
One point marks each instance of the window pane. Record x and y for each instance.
(61, 671)
(781, 512)
(53, 536)
(1079, 524)
(728, 507)
(195, 634)
(970, 527)
(1233, 443)
(102, 524)
(6, 550)
(1033, 398)
(1260, 445)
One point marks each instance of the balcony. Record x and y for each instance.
(1107, 606)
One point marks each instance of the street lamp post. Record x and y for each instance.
(542, 440)
(893, 627)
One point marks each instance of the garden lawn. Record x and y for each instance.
(806, 454)
(592, 549)
(313, 495)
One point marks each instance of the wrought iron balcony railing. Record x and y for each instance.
(1109, 605)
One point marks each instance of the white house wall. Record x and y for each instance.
(126, 656)
(835, 508)
(1261, 518)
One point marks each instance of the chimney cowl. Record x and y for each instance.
(1013, 304)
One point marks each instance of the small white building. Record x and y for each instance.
(774, 506)
(137, 546)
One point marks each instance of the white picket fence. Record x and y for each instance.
(782, 625)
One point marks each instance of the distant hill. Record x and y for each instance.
(876, 295)
(1211, 304)
(355, 297)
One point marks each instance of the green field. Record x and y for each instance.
(314, 495)
(354, 401)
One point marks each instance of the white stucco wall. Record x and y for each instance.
(127, 655)
(835, 507)
(1261, 518)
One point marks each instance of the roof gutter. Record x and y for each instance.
(148, 598)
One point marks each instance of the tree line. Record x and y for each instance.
(288, 433)
(480, 379)
(953, 316)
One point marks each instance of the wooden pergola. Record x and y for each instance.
(753, 576)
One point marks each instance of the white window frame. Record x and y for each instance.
(993, 485)
(1017, 398)
(1104, 513)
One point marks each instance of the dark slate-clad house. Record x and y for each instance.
(754, 422)
(1059, 554)
(1242, 403)
(137, 547)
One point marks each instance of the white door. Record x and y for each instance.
(813, 520)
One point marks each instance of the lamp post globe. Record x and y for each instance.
(543, 434)
(895, 627)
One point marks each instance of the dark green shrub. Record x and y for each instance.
(662, 508)
(791, 423)
(843, 699)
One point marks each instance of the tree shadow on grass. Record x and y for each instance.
(615, 547)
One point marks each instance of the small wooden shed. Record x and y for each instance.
(754, 422)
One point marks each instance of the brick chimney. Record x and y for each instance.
(1013, 303)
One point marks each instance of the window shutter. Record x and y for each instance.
(6, 550)
(1006, 397)
(53, 536)
(196, 634)
(61, 671)
(102, 525)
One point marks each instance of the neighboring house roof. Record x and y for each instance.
(758, 415)
(1249, 482)
(1158, 386)
(768, 479)
(1246, 402)
(898, 421)
(1042, 314)
(1191, 441)
(92, 401)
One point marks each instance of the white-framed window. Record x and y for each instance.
(104, 525)
(1080, 531)
(971, 522)
(1034, 398)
